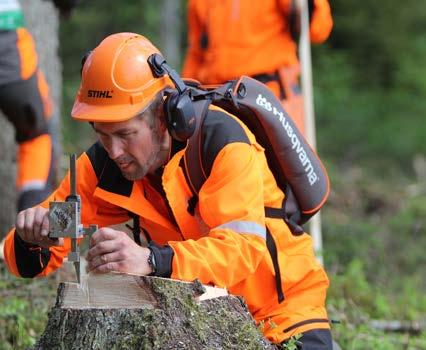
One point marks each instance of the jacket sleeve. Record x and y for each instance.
(194, 55)
(27, 260)
(231, 204)
(321, 21)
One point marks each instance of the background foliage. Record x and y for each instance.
(370, 83)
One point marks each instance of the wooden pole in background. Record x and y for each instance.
(308, 109)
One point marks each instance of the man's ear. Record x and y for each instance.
(163, 125)
(162, 118)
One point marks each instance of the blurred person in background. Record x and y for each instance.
(231, 38)
(26, 102)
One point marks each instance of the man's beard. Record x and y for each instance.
(139, 171)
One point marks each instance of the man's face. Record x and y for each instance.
(132, 145)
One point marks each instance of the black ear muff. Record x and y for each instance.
(180, 115)
(178, 108)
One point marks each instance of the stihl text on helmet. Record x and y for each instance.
(99, 93)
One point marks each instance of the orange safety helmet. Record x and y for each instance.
(116, 80)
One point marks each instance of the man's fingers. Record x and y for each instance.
(29, 225)
(101, 248)
(39, 215)
(109, 259)
(32, 225)
(44, 228)
(113, 250)
(103, 234)
(19, 223)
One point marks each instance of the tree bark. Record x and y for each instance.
(149, 313)
(42, 21)
(7, 176)
(170, 31)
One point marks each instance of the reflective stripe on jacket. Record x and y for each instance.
(231, 38)
(223, 243)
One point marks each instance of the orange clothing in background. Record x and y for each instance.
(231, 38)
(26, 102)
(242, 37)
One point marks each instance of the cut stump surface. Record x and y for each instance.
(118, 311)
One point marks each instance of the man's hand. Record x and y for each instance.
(112, 250)
(32, 225)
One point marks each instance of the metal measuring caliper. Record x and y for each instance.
(65, 220)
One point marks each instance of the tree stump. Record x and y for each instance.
(118, 311)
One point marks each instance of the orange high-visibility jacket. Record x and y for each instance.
(231, 38)
(222, 243)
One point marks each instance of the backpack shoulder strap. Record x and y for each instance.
(192, 158)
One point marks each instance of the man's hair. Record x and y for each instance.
(154, 114)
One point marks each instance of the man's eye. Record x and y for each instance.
(126, 134)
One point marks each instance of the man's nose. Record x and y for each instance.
(115, 148)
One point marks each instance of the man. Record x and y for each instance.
(231, 38)
(25, 100)
(136, 170)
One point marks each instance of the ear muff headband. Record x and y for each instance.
(178, 108)
(159, 67)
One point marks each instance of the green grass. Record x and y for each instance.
(24, 305)
(374, 231)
